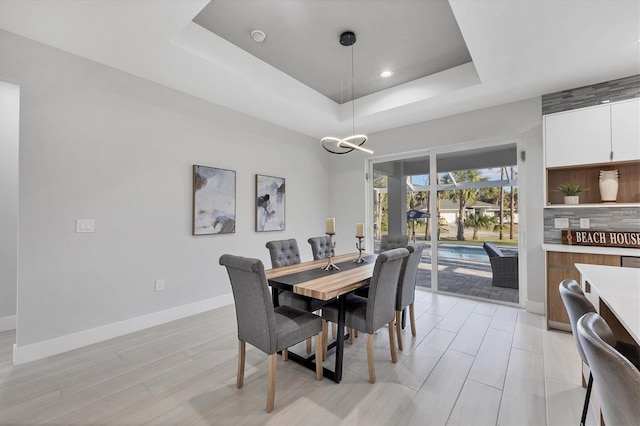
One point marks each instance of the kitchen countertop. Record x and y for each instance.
(615, 251)
(620, 290)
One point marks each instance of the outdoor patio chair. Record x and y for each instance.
(504, 267)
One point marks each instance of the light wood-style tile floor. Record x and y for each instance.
(472, 363)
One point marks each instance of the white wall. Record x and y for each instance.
(9, 126)
(519, 122)
(101, 144)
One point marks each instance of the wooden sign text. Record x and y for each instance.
(601, 238)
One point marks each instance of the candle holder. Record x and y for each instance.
(332, 245)
(360, 248)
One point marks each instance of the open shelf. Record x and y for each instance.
(587, 176)
(591, 205)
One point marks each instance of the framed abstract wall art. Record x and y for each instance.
(270, 203)
(214, 201)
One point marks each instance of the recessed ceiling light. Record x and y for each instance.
(258, 36)
(386, 74)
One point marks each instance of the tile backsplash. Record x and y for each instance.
(595, 94)
(600, 218)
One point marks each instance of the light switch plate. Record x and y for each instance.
(584, 223)
(84, 225)
(561, 223)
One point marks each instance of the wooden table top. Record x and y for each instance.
(331, 285)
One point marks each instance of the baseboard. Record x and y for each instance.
(535, 307)
(39, 350)
(8, 323)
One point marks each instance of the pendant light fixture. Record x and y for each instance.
(350, 143)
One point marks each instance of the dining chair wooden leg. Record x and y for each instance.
(334, 328)
(392, 344)
(352, 333)
(399, 328)
(372, 369)
(308, 346)
(271, 382)
(412, 317)
(285, 354)
(241, 352)
(320, 350)
(325, 339)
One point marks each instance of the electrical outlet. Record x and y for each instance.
(584, 223)
(561, 223)
(159, 285)
(84, 225)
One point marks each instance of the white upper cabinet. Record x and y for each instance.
(580, 136)
(625, 130)
(593, 135)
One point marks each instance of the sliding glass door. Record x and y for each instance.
(455, 203)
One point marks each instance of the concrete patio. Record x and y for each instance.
(463, 277)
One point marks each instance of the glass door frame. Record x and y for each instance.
(433, 188)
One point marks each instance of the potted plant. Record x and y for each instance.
(571, 191)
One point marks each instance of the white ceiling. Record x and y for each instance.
(519, 49)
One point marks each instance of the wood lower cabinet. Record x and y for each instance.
(561, 266)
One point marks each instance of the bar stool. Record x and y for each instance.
(617, 380)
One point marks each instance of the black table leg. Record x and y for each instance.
(340, 339)
(274, 296)
(404, 318)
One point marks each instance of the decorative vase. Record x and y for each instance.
(608, 185)
(571, 199)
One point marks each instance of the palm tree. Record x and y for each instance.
(477, 222)
(464, 197)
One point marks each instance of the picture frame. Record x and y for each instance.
(270, 203)
(214, 200)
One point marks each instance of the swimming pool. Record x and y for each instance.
(476, 254)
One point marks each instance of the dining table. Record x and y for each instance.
(310, 279)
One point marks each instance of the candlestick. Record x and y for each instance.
(330, 253)
(360, 248)
(331, 226)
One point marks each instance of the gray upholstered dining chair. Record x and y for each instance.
(369, 314)
(406, 293)
(320, 247)
(285, 253)
(390, 242)
(616, 379)
(263, 326)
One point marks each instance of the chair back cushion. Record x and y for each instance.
(319, 247)
(577, 304)
(407, 280)
(254, 307)
(383, 288)
(284, 252)
(390, 242)
(492, 250)
(616, 379)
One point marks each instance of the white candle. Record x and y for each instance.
(331, 225)
(360, 230)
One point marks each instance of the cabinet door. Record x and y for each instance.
(625, 130)
(561, 266)
(578, 137)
